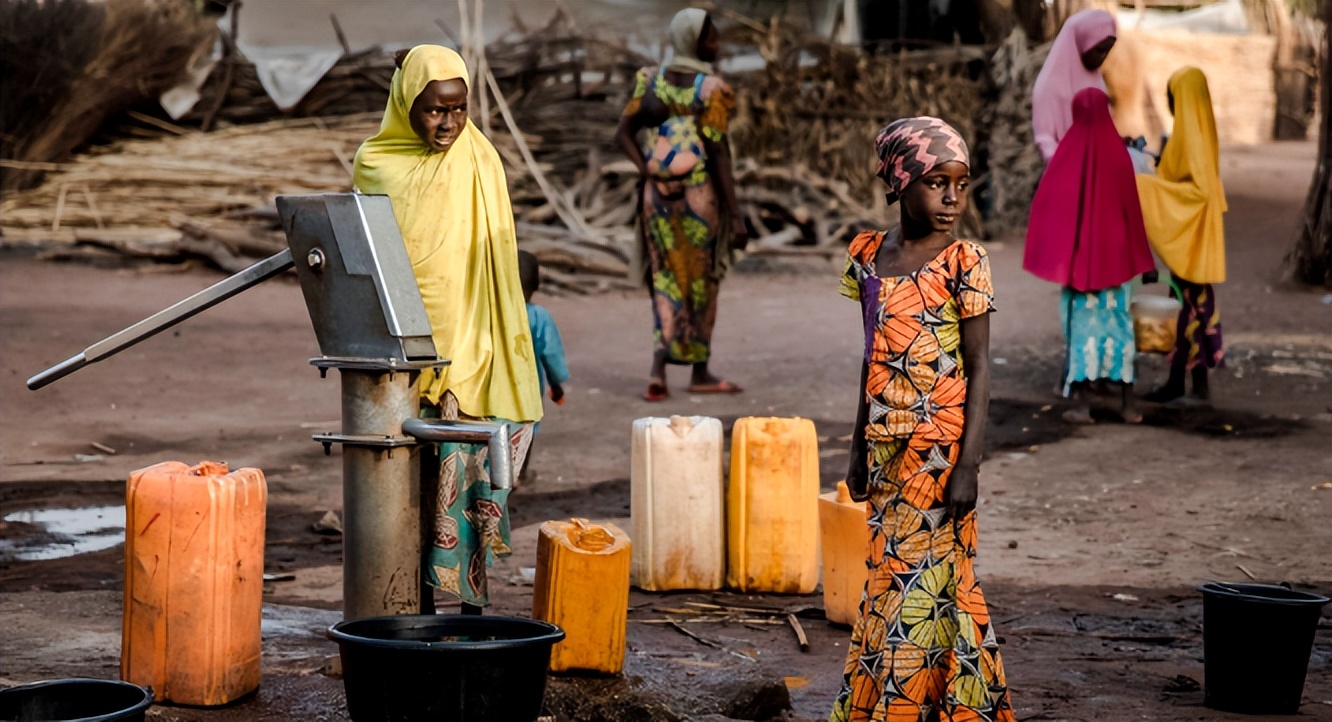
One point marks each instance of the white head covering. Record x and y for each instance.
(686, 29)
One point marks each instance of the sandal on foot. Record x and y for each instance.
(721, 387)
(656, 391)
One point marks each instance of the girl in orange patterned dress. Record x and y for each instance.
(923, 648)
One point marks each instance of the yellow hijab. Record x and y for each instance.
(453, 209)
(1182, 205)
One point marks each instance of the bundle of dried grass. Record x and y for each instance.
(142, 47)
(1015, 165)
(44, 45)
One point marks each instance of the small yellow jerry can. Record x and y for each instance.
(582, 585)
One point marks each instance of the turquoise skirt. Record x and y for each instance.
(1098, 335)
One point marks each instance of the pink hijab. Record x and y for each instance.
(1086, 227)
(1063, 75)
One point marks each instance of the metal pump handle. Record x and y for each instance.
(167, 317)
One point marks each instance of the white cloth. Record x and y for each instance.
(686, 29)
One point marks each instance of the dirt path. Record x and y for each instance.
(1069, 517)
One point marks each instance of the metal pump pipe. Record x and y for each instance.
(381, 495)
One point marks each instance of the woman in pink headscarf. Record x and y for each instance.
(1086, 234)
(1074, 63)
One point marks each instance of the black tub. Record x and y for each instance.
(443, 668)
(75, 700)
(1256, 644)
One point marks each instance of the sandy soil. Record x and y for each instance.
(1070, 517)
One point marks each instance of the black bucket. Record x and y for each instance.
(445, 668)
(75, 700)
(1256, 644)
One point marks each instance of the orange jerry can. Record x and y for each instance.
(582, 586)
(772, 506)
(194, 581)
(845, 544)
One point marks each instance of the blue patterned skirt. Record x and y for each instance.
(1098, 335)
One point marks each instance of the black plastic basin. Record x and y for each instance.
(75, 700)
(443, 668)
(1256, 644)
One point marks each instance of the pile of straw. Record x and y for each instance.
(196, 194)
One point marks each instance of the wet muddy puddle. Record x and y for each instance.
(41, 534)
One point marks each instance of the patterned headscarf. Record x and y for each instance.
(911, 147)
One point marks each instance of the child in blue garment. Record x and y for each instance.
(552, 370)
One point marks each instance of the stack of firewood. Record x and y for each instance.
(802, 137)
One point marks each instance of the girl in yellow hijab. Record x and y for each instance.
(1182, 209)
(451, 200)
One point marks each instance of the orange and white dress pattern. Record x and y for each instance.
(922, 648)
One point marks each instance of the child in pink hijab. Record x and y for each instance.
(1074, 64)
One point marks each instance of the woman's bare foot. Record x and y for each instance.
(1081, 412)
(1080, 416)
(1128, 410)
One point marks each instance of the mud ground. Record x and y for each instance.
(1092, 539)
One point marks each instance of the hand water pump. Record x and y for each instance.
(372, 327)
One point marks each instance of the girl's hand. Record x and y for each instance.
(557, 394)
(739, 233)
(962, 490)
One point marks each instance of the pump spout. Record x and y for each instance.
(495, 436)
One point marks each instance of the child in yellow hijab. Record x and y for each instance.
(1182, 209)
(451, 201)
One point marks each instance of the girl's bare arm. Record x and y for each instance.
(963, 484)
(624, 137)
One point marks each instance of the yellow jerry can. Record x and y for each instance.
(582, 586)
(194, 581)
(845, 544)
(677, 501)
(772, 506)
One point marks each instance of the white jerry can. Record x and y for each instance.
(678, 503)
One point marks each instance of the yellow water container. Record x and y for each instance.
(845, 544)
(194, 581)
(677, 501)
(772, 506)
(582, 586)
